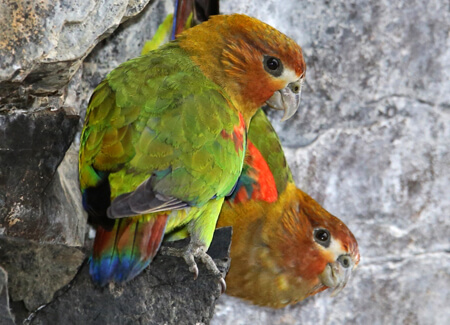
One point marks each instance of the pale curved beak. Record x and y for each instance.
(336, 274)
(287, 99)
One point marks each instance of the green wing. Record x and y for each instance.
(264, 137)
(157, 124)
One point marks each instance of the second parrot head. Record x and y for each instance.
(319, 247)
(253, 62)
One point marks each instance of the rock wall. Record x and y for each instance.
(45, 83)
(372, 145)
(371, 142)
(42, 46)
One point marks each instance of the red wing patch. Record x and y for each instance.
(263, 186)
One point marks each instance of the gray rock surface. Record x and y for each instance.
(125, 43)
(157, 296)
(5, 315)
(44, 42)
(36, 271)
(32, 145)
(372, 146)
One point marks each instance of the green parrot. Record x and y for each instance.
(164, 138)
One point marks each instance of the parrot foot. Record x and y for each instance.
(196, 251)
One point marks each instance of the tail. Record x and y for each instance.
(123, 252)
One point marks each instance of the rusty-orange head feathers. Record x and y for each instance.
(284, 251)
(248, 58)
(317, 247)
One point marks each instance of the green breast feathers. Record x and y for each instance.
(157, 128)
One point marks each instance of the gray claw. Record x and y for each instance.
(189, 254)
(223, 285)
(194, 269)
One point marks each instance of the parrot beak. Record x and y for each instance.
(287, 99)
(337, 274)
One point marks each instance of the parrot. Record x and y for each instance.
(164, 138)
(264, 179)
(285, 246)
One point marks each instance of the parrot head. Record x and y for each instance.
(286, 250)
(253, 62)
(319, 251)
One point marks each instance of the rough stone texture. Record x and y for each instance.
(43, 42)
(125, 43)
(371, 144)
(36, 271)
(154, 297)
(5, 315)
(32, 145)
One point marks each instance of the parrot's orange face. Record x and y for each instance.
(318, 248)
(253, 62)
(284, 251)
(323, 248)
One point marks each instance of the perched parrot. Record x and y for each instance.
(285, 246)
(164, 138)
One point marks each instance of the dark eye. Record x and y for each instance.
(322, 236)
(273, 63)
(273, 66)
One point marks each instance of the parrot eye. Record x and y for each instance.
(273, 66)
(322, 236)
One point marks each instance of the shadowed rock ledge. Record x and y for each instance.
(165, 293)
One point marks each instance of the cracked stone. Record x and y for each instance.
(33, 203)
(35, 270)
(44, 42)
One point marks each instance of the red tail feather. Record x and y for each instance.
(122, 253)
